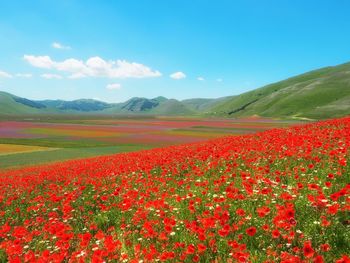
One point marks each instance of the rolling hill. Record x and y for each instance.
(203, 105)
(82, 105)
(318, 94)
(10, 104)
(14, 105)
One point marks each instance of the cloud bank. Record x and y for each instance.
(94, 67)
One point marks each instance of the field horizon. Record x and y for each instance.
(54, 139)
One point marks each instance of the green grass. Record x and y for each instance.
(35, 158)
(9, 106)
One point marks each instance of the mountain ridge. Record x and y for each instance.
(12, 105)
(317, 94)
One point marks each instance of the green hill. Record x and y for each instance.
(82, 105)
(172, 107)
(203, 105)
(10, 104)
(318, 94)
(139, 105)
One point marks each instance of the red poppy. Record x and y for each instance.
(325, 247)
(318, 259)
(201, 248)
(251, 231)
(308, 250)
(275, 233)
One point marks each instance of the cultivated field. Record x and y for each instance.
(70, 138)
(281, 195)
(6, 149)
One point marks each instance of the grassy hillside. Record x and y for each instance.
(203, 105)
(155, 106)
(172, 107)
(10, 104)
(13, 105)
(82, 105)
(322, 93)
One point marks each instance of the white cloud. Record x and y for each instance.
(4, 74)
(219, 80)
(51, 76)
(39, 61)
(94, 67)
(60, 46)
(200, 78)
(77, 76)
(178, 75)
(114, 86)
(24, 75)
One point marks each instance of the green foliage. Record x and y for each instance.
(3, 256)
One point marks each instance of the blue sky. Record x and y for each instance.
(114, 50)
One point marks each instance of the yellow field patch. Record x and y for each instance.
(6, 149)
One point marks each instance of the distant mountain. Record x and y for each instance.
(29, 103)
(14, 105)
(139, 104)
(83, 105)
(318, 94)
(155, 106)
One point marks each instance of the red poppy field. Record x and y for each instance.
(281, 195)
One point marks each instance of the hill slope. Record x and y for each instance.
(317, 94)
(172, 107)
(13, 105)
(10, 104)
(203, 105)
(82, 105)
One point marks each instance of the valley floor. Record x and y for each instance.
(32, 141)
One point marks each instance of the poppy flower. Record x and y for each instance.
(308, 250)
(251, 231)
